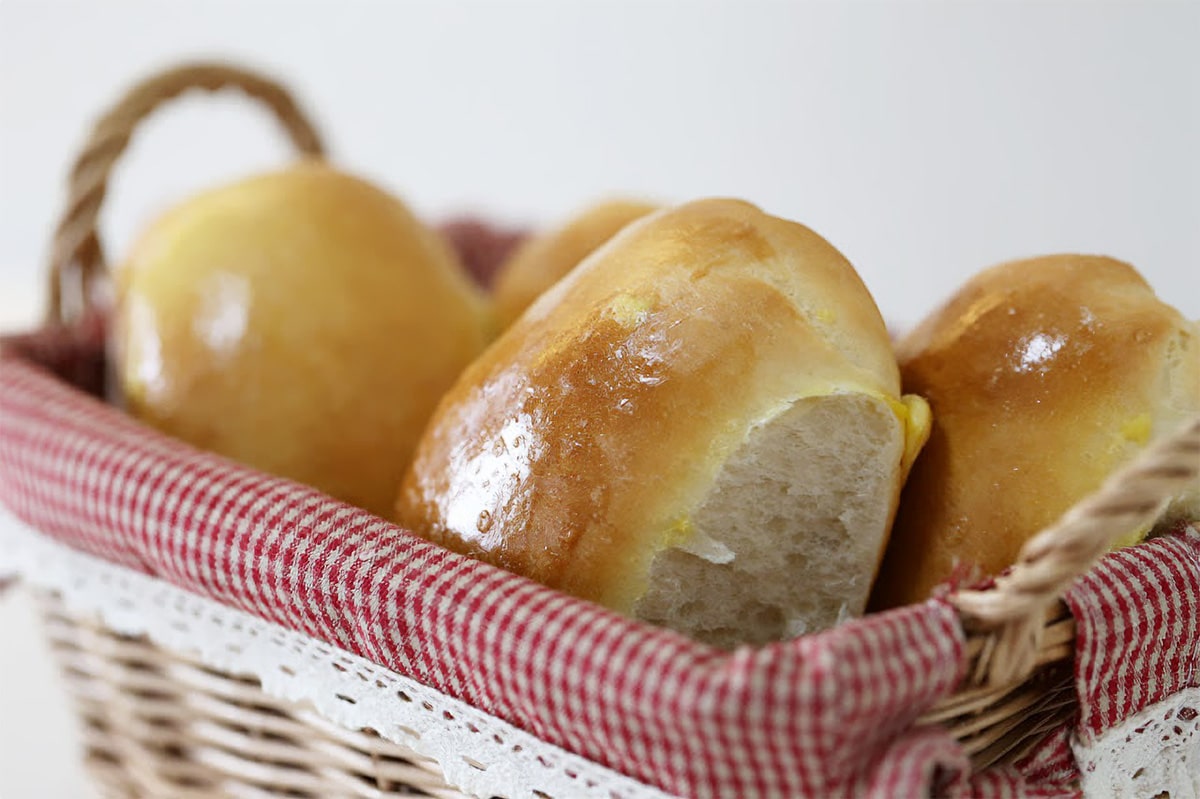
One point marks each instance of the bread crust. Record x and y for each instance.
(303, 322)
(1042, 376)
(576, 446)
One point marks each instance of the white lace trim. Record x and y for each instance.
(478, 753)
(1153, 753)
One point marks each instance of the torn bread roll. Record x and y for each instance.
(701, 426)
(543, 259)
(1043, 376)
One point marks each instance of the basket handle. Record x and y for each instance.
(76, 256)
(1013, 609)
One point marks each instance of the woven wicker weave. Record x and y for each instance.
(158, 723)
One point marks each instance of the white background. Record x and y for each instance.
(926, 140)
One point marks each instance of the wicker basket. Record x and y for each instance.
(161, 723)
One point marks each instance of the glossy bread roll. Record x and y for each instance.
(543, 259)
(701, 426)
(1043, 376)
(303, 322)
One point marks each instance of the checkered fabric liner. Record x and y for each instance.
(1141, 607)
(829, 714)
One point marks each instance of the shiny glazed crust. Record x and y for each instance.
(303, 322)
(1042, 376)
(577, 445)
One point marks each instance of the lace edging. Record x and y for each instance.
(1153, 752)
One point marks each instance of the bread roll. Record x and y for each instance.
(701, 426)
(543, 259)
(303, 322)
(1043, 376)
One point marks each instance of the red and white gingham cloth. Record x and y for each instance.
(824, 715)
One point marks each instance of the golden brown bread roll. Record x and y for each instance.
(1042, 375)
(543, 259)
(700, 426)
(303, 322)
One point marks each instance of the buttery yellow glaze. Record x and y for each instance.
(1043, 376)
(302, 322)
(577, 445)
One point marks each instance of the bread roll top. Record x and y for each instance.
(575, 447)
